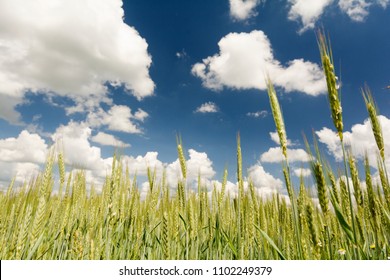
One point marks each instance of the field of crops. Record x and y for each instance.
(341, 219)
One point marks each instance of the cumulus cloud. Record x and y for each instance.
(25, 148)
(275, 137)
(264, 182)
(357, 10)
(20, 157)
(108, 140)
(74, 140)
(304, 172)
(197, 164)
(274, 155)
(384, 3)
(69, 48)
(243, 9)
(331, 139)
(141, 115)
(20, 171)
(245, 58)
(139, 164)
(24, 156)
(118, 118)
(78, 151)
(208, 107)
(258, 114)
(360, 139)
(230, 188)
(307, 11)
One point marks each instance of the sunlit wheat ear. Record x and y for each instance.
(333, 183)
(278, 117)
(373, 114)
(23, 233)
(289, 187)
(321, 187)
(318, 172)
(384, 182)
(239, 167)
(182, 159)
(355, 181)
(61, 168)
(311, 222)
(370, 190)
(223, 188)
(331, 82)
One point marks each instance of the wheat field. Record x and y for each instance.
(341, 219)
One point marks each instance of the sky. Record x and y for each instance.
(94, 77)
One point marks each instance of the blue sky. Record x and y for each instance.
(92, 75)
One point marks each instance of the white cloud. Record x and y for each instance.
(304, 172)
(24, 156)
(331, 140)
(20, 157)
(139, 164)
(208, 107)
(25, 148)
(357, 10)
(69, 48)
(243, 9)
(258, 114)
(118, 118)
(141, 115)
(20, 171)
(245, 58)
(181, 54)
(275, 137)
(230, 188)
(274, 155)
(73, 139)
(7, 107)
(264, 182)
(108, 140)
(307, 11)
(360, 139)
(384, 3)
(198, 163)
